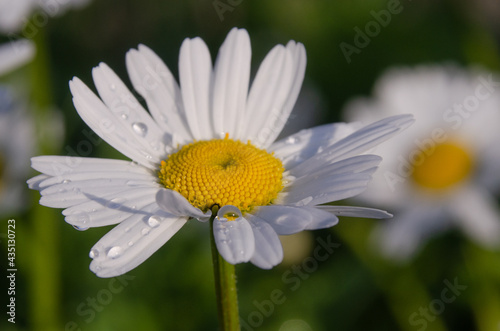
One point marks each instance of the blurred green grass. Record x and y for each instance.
(173, 290)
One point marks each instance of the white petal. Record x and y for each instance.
(64, 165)
(154, 81)
(13, 15)
(356, 143)
(15, 54)
(34, 183)
(111, 209)
(274, 92)
(320, 219)
(478, 215)
(99, 118)
(127, 110)
(290, 219)
(400, 237)
(329, 189)
(196, 80)
(268, 249)
(307, 143)
(174, 203)
(349, 211)
(234, 239)
(131, 242)
(232, 75)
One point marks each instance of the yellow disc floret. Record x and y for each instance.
(223, 172)
(445, 165)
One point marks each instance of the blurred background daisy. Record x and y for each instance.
(417, 57)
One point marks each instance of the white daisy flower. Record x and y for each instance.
(208, 142)
(15, 13)
(443, 171)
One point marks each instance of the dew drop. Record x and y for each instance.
(115, 252)
(154, 221)
(66, 181)
(140, 128)
(145, 231)
(124, 116)
(80, 228)
(115, 203)
(131, 243)
(291, 140)
(94, 253)
(112, 87)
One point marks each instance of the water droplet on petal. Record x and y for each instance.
(112, 87)
(140, 128)
(66, 181)
(131, 243)
(124, 116)
(154, 221)
(115, 203)
(155, 145)
(292, 140)
(115, 252)
(145, 231)
(94, 253)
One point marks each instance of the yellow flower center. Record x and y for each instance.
(223, 172)
(443, 166)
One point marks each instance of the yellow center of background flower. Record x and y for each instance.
(448, 164)
(223, 172)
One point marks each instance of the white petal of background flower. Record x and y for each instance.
(356, 143)
(174, 203)
(477, 213)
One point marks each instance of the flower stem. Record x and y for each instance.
(225, 286)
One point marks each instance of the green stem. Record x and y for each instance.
(225, 286)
